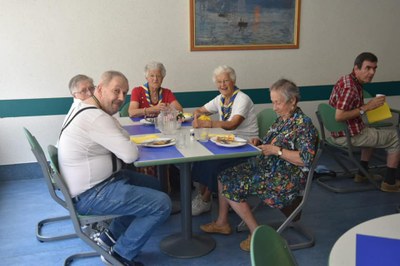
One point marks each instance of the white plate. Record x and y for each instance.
(236, 143)
(145, 122)
(188, 116)
(158, 143)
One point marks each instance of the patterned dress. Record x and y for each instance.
(275, 181)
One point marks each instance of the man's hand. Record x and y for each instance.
(374, 103)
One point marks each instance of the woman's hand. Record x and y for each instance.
(201, 123)
(268, 149)
(255, 141)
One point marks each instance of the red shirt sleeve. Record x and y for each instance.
(138, 95)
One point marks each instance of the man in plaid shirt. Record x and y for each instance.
(347, 98)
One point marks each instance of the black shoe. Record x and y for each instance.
(106, 240)
(120, 259)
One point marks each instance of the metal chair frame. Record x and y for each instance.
(84, 225)
(52, 188)
(292, 220)
(327, 121)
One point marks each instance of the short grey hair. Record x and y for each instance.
(107, 76)
(73, 83)
(287, 88)
(155, 66)
(224, 69)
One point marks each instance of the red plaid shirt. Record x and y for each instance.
(347, 95)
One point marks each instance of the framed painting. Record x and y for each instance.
(244, 24)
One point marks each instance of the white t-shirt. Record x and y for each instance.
(242, 106)
(85, 147)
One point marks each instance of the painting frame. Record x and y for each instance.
(198, 44)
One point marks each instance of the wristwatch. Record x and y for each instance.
(362, 112)
(280, 152)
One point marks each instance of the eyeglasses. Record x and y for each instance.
(88, 90)
(226, 81)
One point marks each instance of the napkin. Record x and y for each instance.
(141, 139)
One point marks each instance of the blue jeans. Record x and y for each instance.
(135, 196)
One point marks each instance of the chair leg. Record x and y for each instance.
(42, 223)
(71, 258)
(347, 187)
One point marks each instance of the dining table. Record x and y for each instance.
(183, 244)
(373, 242)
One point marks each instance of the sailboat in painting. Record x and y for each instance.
(242, 23)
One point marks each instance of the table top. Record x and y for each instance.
(379, 233)
(191, 152)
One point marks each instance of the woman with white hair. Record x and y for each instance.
(236, 114)
(150, 98)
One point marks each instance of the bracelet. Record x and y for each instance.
(144, 111)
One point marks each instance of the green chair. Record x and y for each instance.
(291, 224)
(269, 248)
(327, 122)
(265, 119)
(52, 187)
(85, 225)
(124, 112)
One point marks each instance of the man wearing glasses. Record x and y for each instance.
(81, 88)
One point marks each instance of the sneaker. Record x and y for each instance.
(389, 188)
(106, 240)
(361, 179)
(245, 244)
(216, 229)
(199, 206)
(124, 261)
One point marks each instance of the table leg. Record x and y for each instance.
(162, 177)
(186, 244)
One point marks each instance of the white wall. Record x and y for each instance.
(43, 43)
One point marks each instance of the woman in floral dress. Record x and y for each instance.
(278, 175)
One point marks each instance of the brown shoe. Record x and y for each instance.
(216, 229)
(361, 179)
(245, 244)
(389, 188)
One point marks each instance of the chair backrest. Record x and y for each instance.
(124, 112)
(269, 248)
(326, 117)
(265, 118)
(366, 94)
(53, 156)
(44, 165)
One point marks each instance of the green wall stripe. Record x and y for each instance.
(59, 106)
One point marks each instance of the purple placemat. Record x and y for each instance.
(150, 154)
(141, 129)
(374, 250)
(136, 119)
(214, 148)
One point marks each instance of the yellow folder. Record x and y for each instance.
(379, 114)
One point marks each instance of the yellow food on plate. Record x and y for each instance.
(230, 137)
(226, 138)
(139, 140)
(188, 115)
(204, 118)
